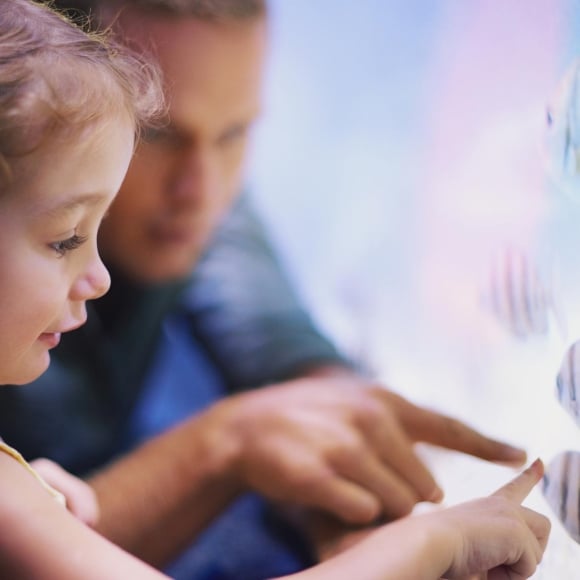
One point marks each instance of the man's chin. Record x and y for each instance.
(160, 273)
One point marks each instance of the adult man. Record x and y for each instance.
(164, 345)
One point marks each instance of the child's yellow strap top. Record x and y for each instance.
(13, 453)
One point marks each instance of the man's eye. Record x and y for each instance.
(152, 134)
(63, 246)
(232, 134)
(164, 136)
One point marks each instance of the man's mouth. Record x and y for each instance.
(179, 235)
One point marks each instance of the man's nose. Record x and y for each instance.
(195, 179)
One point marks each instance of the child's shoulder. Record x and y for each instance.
(5, 449)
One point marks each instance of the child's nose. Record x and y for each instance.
(94, 282)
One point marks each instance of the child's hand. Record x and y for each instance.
(81, 500)
(495, 534)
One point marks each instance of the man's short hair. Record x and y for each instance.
(202, 9)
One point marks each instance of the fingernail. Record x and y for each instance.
(437, 495)
(537, 467)
(515, 453)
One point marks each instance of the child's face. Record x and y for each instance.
(49, 265)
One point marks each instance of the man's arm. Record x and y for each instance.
(247, 313)
(344, 448)
(331, 440)
(156, 499)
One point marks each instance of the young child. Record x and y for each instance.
(69, 105)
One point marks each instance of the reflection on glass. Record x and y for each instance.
(562, 141)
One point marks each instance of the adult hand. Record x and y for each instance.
(81, 500)
(344, 446)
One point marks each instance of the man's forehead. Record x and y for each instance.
(203, 9)
(213, 72)
(218, 62)
(141, 25)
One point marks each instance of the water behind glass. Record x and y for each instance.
(400, 150)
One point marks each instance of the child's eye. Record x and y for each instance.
(64, 246)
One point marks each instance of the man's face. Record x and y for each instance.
(184, 177)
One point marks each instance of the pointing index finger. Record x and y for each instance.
(444, 431)
(521, 485)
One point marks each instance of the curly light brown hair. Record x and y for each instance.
(57, 80)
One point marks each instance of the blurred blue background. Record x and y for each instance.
(400, 160)
(401, 141)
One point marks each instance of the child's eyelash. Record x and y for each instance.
(72, 243)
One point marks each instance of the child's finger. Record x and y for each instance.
(519, 487)
(81, 500)
(539, 525)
